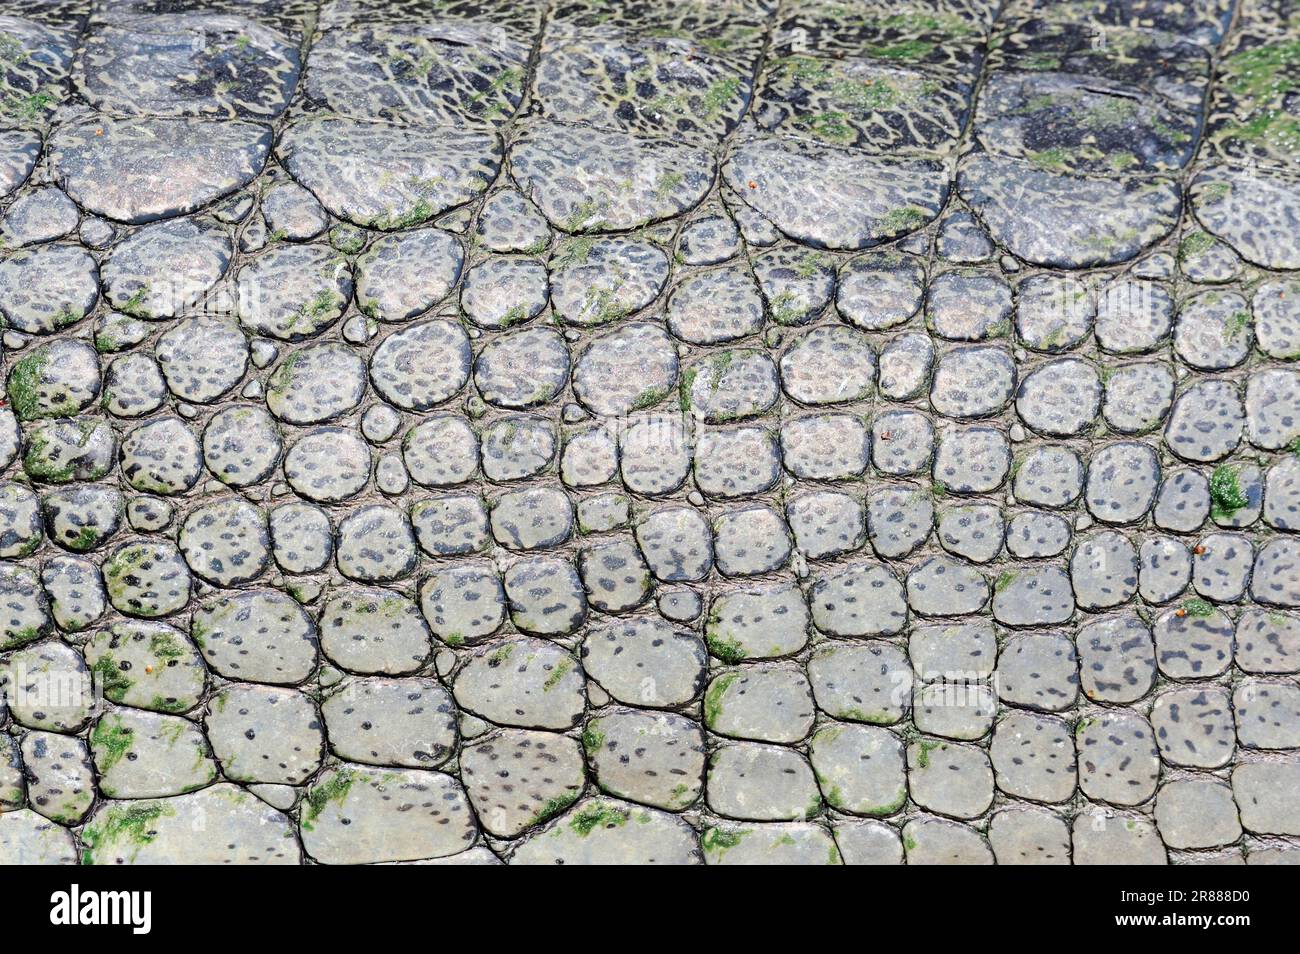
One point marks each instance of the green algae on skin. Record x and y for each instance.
(1215, 192)
(299, 592)
(1194, 244)
(1038, 62)
(1263, 77)
(417, 214)
(282, 377)
(924, 748)
(574, 251)
(593, 816)
(132, 824)
(1226, 495)
(111, 743)
(315, 309)
(708, 105)
(164, 704)
(501, 654)
(558, 673)
(27, 108)
(165, 647)
(905, 219)
(834, 796)
(713, 698)
(728, 650)
(19, 637)
(855, 714)
(832, 126)
(784, 310)
(554, 806)
(718, 841)
(335, 789)
(1267, 70)
(593, 740)
(513, 316)
(50, 440)
(24, 385)
(649, 398)
(669, 181)
(584, 214)
(112, 681)
(1053, 160)
(601, 306)
(928, 22)
(1111, 111)
(900, 50)
(347, 240)
(1123, 160)
(508, 76)
(809, 264)
(880, 811)
(718, 95)
(684, 386)
(134, 305)
(1238, 323)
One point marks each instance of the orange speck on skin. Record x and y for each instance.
(148, 668)
(753, 184)
(1198, 549)
(1181, 612)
